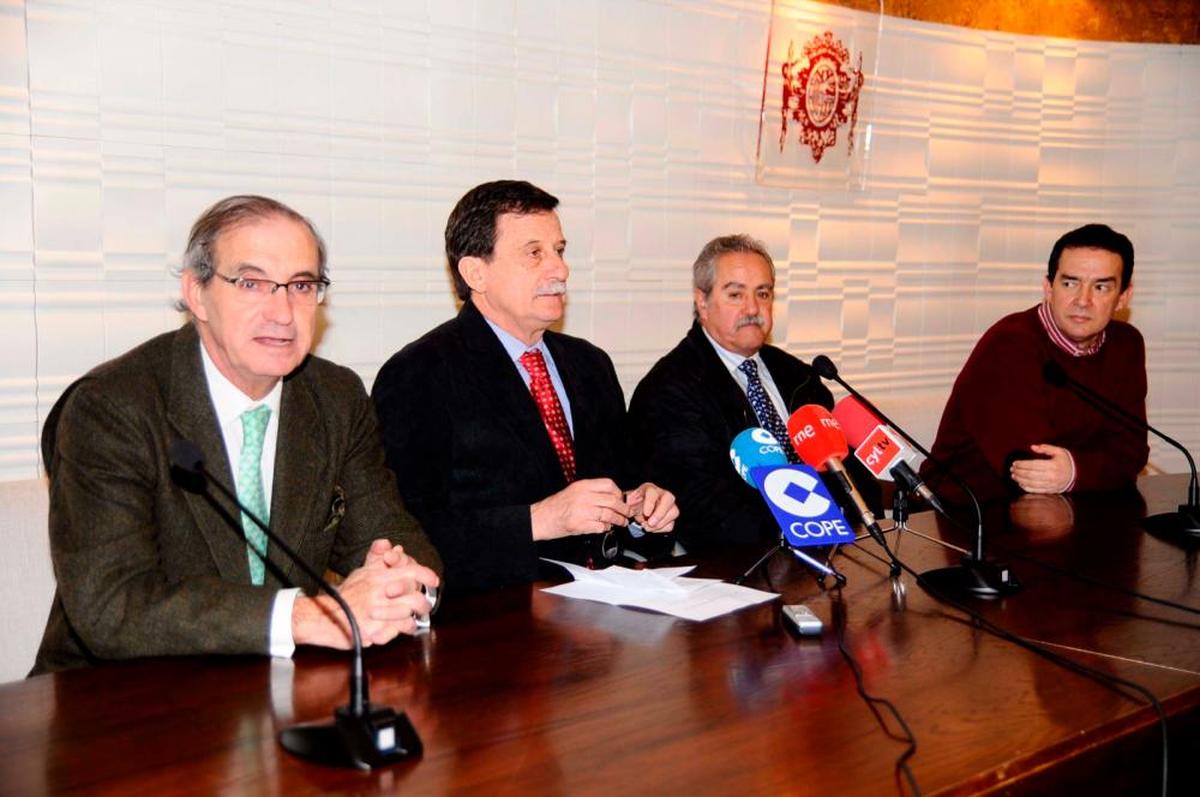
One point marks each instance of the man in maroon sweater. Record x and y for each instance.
(1005, 429)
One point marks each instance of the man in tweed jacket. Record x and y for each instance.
(148, 568)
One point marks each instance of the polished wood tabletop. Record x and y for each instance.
(520, 692)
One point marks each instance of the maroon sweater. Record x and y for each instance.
(1001, 405)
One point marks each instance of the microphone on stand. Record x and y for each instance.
(362, 734)
(818, 440)
(1183, 523)
(976, 576)
(756, 448)
(881, 450)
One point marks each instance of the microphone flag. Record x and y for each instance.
(879, 451)
(802, 506)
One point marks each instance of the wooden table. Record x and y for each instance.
(518, 692)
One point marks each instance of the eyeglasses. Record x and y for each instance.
(257, 289)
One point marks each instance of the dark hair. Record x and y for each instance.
(200, 255)
(1095, 236)
(471, 228)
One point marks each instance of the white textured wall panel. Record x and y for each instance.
(120, 121)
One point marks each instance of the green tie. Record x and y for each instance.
(250, 488)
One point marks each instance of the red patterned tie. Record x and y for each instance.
(552, 412)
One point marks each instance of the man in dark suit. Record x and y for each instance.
(509, 441)
(146, 568)
(697, 398)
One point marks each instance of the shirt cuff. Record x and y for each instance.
(1074, 473)
(279, 635)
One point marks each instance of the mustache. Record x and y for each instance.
(758, 320)
(552, 288)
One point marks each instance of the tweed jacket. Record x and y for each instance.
(144, 566)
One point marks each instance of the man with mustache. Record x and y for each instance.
(1006, 430)
(145, 566)
(509, 440)
(722, 378)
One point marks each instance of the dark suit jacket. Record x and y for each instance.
(145, 568)
(686, 412)
(470, 451)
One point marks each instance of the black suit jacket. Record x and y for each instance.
(146, 568)
(470, 452)
(686, 412)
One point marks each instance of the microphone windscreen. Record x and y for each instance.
(824, 367)
(752, 448)
(816, 436)
(857, 421)
(1053, 373)
(186, 456)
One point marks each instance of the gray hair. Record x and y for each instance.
(704, 270)
(200, 255)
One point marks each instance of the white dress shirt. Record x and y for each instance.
(515, 348)
(733, 360)
(229, 403)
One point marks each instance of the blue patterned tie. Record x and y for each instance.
(250, 488)
(764, 408)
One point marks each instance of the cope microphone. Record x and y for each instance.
(818, 440)
(975, 576)
(881, 449)
(1183, 523)
(754, 448)
(362, 734)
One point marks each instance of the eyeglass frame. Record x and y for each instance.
(322, 285)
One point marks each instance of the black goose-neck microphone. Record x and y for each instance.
(976, 576)
(1186, 521)
(361, 735)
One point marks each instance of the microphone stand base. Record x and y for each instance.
(973, 578)
(378, 738)
(822, 569)
(1183, 525)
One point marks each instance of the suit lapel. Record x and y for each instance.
(785, 374)
(495, 376)
(191, 415)
(582, 400)
(300, 486)
(735, 407)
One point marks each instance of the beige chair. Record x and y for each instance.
(27, 583)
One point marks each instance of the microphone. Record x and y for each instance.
(881, 449)
(975, 576)
(362, 734)
(754, 448)
(1186, 521)
(817, 439)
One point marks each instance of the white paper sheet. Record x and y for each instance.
(663, 590)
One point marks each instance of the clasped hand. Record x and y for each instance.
(593, 506)
(385, 595)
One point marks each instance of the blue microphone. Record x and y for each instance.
(754, 448)
(755, 451)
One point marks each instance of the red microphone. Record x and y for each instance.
(818, 440)
(881, 449)
(817, 437)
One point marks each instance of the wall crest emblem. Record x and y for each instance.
(820, 93)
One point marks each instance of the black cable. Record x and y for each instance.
(902, 767)
(1110, 681)
(1183, 607)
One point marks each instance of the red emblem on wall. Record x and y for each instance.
(820, 93)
